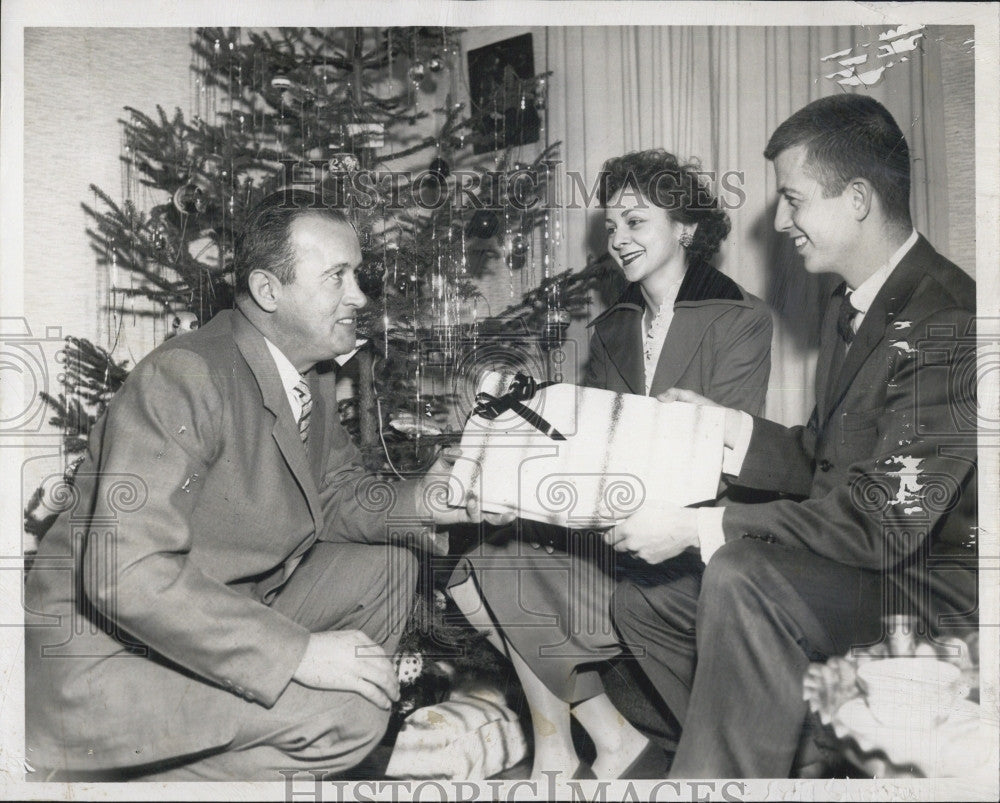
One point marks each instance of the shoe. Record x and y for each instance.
(583, 772)
(652, 762)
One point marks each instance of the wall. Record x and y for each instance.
(77, 83)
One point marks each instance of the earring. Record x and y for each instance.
(685, 240)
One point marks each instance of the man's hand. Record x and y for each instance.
(655, 533)
(347, 660)
(434, 493)
(733, 417)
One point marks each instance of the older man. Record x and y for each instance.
(879, 513)
(223, 599)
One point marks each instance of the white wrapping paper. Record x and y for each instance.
(619, 450)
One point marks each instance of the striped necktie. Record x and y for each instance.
(306, 402)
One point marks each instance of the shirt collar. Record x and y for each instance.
(862, 298)
(286, 371)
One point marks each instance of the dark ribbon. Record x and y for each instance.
(521, 389)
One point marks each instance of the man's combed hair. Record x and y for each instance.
(846, 137)
(265, 242)
(680, 189)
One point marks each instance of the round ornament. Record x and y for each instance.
(483, 225)
(408, 667)
(439, 167)
(178, 323)
(435, 64)
(519, 245)
(416, 72)
(343, 163)
(190, 199)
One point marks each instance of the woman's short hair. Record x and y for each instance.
(680, 189)
(265, 241)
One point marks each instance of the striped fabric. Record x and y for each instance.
(305, 399)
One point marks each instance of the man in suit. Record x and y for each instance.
(878, 507)
(224, 597)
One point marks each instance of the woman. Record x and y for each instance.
(678, 323)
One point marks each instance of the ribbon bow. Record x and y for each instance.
(521, 389)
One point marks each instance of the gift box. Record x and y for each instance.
(576, 456)
(471, 736)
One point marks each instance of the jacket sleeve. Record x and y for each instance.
(779, 458)
(361, 507)
(743, 361)
(163, 433)
(913, 470)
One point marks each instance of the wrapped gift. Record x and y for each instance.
(576, 456)
(471, 736)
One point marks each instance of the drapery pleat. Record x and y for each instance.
(716, 94)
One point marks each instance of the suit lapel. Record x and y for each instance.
(285, 430)
(620, 328)
(887, 303)
(684, 338)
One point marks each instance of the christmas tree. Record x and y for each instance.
(335, 111)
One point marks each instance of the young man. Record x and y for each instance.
(223, 599)
(878, 513)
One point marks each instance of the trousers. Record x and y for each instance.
(337, 586)
(727, 650)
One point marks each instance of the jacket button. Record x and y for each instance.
(825, 465)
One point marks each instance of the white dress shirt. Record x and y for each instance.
(289, 377)
(711, 535)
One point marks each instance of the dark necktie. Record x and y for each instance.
(845, 317)
(305, 400)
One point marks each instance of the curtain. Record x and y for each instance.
(717, 93)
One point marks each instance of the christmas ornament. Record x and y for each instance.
(519, 245)
(159, 241)
(204, 249)
(408, 667)
(416, 72)
(541, 85)
(343, 163)
(411, 425)
(439, 167)
(484, 225)
(370, 278)
(280, 81)
(190, 199)
(177, 323)
(435, 64)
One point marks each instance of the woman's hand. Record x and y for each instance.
(734, 418)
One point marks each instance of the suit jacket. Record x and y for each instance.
(194, 502)
(718, 343)
(887, 463)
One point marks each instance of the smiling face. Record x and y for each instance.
(644, 241)
(315, 314)
(823, 230)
